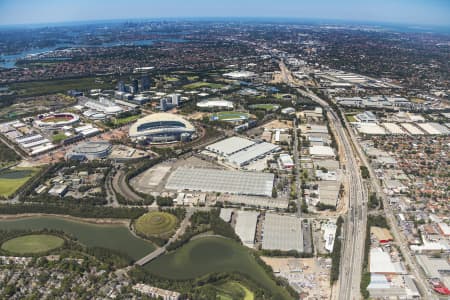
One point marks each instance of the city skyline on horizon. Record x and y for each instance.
(412, 12)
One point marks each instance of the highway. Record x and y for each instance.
(399, 238)
(356, 220)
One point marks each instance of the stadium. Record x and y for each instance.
(56, 120)
(90, 151)
(162, 128)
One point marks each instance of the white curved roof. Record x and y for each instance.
(215, 103)
(162, 118)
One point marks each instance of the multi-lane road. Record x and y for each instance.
(356, 220)
(355, 229)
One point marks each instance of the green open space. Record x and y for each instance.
(126, 120)
(33, 243)
(210, 255)
(351, 118)
(156, 223)
(265, 106)
(202, 84)
(233, 290)
(230, 116)
(34, 88)
(115, 237)
(13, 179)
(170, 79)
(56, 138)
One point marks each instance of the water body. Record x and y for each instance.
(111, 236)
(9, 61)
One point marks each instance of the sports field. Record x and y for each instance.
(265, 106)
(33, 243)
(230, 116)
(209, 255)
(12, 179)
(156, 223)
(202, 84)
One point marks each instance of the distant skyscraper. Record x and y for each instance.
(163, 104)
(175, 99)
(135, 85)
(121, 86)
(145, 82)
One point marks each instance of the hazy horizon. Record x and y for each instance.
(434, 13)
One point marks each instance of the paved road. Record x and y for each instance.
(399, 238)
(297, 170)
(355, 226)
(121, 186)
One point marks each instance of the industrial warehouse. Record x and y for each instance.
(239, 152)
(282, 233)
(222, 181)
(162, 128)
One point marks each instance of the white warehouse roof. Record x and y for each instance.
(321, 151)
(229, 146)
(282, 233)
(246, 226)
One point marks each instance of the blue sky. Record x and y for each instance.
(420, 12)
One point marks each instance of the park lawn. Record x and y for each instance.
(126, 120)
(351, 118)
(233, 290)
(44, 87)
(267, 107)
(33, 243)
(170, 79)
(201, 84)
(156, 224)
(210, 255)
(56, 138)
(13, 179)
(192, 78)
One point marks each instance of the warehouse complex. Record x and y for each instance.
(246, 227)
(282, 233)
(239, 152)
(161, 128)
(222, 181)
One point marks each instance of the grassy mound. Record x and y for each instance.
(156, 223)
(233, 290)
(34, 243)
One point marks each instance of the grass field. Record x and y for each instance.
(126, 120)
(170, 79)
(56, 138)
(265, 106)
(209, 255)
(233, 290)
(34, 88)
(201, 84)
(115, 237)
(351, 118)
(230, 116)
(156, 223)
(33, 243)
(12, 179)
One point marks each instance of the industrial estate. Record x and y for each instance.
(215, 165)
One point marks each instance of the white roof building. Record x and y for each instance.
(222, 104)
(282, 233)
(246, 227)
(321, 151)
